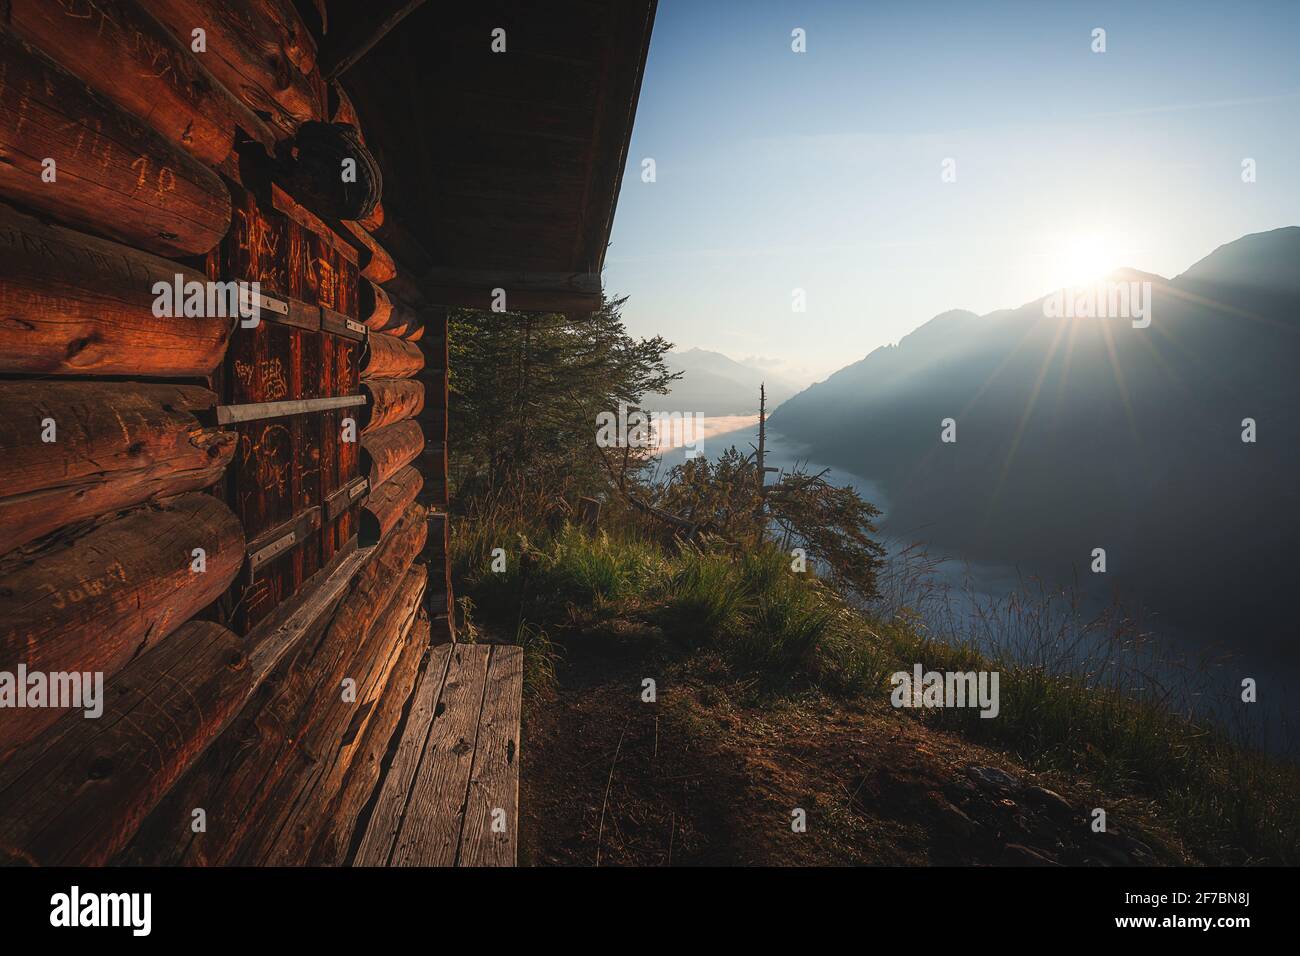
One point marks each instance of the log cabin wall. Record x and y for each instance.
(134, 442)
(225, 519)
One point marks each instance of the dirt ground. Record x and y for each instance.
(711, 774)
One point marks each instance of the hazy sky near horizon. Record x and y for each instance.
(822, 170)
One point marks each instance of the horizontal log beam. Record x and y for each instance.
(115, 444)
(141, 68)
(340, 819)
(241, 778)
(385, 451)
(76, 305)
(376, 264)
(303, 798)
(389, 357)
(110, 174)
(386, 504)
(390, 400)
(78, 793)
(260, 50)
(91, 599)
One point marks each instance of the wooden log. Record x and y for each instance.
(241, 770)
(140, 67)
(376, 305)
(390, 400)
(386, 451)
(115, 445)
(71, 304)
(259, 49)
(329, 748)
(89, 599)
(413, 330)
(111, 174)
(375, 220)
(341, 818)
(405, 324)
(76, 794)
(386, 505)
(389, 357)
(383, 313)
(376, 264)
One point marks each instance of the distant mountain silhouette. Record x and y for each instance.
(1074, 434)
(714, 384)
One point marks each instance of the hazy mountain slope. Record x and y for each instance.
(1074, 434)
(717, 385)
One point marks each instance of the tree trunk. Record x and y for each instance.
(71, 304)
(110, 174)
(114, 445)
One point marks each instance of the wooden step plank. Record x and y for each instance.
(386, 818)
(493, 796)
(430, 830)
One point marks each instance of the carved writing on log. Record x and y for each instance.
(86, 587)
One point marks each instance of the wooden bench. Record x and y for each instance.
(450, 796)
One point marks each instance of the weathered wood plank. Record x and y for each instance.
(376, 846)
(90, 599)
(431, 825)
(112, 175)
(115, 445)
(72, 304)
(492, 801)
(255, 411)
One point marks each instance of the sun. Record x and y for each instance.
(1084, 257)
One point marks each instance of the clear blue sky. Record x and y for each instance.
(821, 170)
